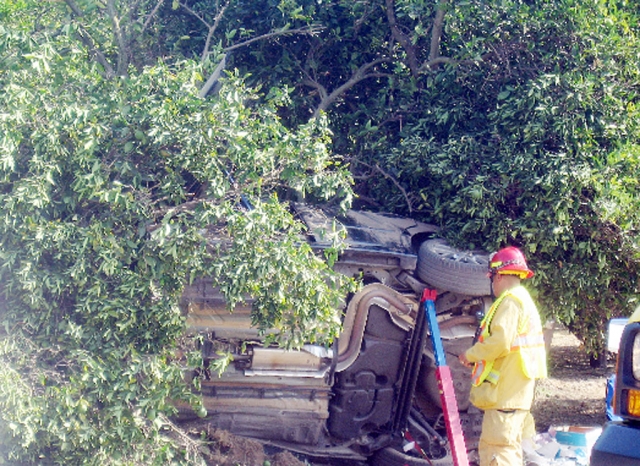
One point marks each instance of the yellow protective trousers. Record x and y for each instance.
(501, 439)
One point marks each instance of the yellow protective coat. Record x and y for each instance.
(507, 401)
(514, 389)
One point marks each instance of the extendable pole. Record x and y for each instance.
(445, 383)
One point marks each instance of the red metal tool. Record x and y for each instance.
(445, 383)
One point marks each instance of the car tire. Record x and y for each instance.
(391, 456)
(449, 269)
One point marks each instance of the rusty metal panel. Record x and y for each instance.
(293, 412)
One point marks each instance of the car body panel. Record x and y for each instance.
(619, 442)
(385, 233)
(380, 247)
(339, 402)
(619, 445)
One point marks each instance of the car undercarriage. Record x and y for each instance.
(376, 387)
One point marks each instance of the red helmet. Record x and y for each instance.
(509, 261)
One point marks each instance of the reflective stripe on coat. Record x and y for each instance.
(529, 342)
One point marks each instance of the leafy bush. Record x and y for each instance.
(115, 193)
(544, 157)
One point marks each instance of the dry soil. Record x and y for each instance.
(574, 393)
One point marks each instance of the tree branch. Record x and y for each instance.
(403, 39)
(436, 31)
(133, 11)
(360, 21)
(214, 78)
(151, 15)
(359, 75)
(322, 91)
(393, 180)
(88, 41)
(123, 56)
(213, 27)
(74, 8)
(398, 185)
(202, 20)
(435, 62)
(307, 70)
(310, 30)
(212, 30)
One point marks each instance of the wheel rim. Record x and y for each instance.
(448, 253)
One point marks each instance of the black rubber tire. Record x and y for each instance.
(392, 457)
(449, 269)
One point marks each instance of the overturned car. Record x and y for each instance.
(374, 395)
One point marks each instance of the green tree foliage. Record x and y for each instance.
(506, 122)
(536, 145)
(511, 122)
(118, 185)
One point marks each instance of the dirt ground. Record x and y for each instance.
(574, 394)
(225, 449)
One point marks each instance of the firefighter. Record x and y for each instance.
(507, 358)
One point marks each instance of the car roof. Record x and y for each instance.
(364, 230)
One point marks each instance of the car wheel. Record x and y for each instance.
(391, 456)
(450, 269)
